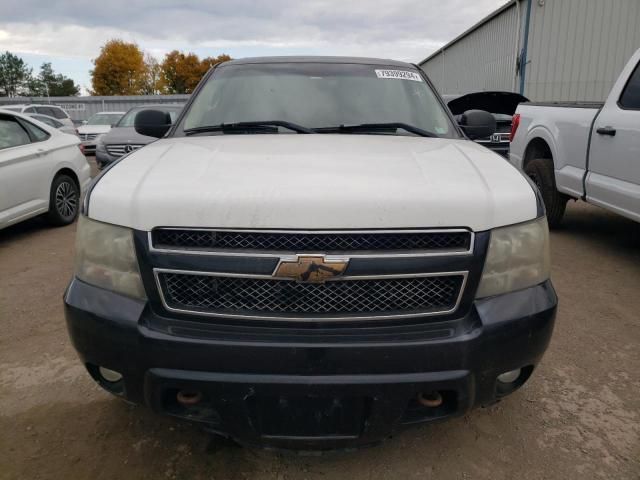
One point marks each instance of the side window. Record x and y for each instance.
(36, 133)
(11, 133)
(47, 111)
(48, 120)
(630, 97)
(59, 113)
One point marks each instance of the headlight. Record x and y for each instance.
(106, 258)
(518, 258)
(99, 141)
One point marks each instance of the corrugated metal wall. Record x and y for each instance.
(577, 48)
(81, 108)
(485, 59)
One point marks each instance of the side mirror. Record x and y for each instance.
(477, 124)
(152, 123)
(84, 122)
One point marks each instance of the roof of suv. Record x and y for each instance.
(320, 59)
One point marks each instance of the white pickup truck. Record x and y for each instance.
(588, 151)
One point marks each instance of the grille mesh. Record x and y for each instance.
(265, 296)
(307, 242)
(119, 150)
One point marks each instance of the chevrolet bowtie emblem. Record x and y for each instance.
(311, 268)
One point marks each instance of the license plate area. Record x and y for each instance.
(308, 416)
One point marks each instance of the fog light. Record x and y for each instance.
(509, 377)
(109, 375)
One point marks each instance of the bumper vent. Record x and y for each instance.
(453, 241)
(287, 300)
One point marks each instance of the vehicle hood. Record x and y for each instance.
(316, 181)
(87, 129)
(494, 102)
(119, 135)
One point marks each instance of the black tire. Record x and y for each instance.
(64, 201)
(540, 170)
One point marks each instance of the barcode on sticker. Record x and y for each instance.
(399, 74)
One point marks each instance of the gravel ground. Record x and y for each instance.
(578, 417)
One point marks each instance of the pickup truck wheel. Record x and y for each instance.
(540, 170)
(64, 199)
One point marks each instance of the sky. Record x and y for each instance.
(69, 34)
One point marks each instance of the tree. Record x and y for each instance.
(180, 73)
(152, 83)
(209, 62)
(51, 84)
(119, 69)
(14, 75)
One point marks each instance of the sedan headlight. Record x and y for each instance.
(518, 258)
(106, 258)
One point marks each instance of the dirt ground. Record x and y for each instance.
(578, 417)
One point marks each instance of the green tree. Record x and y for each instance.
(119, 69)
(51, 84)
(14, 75)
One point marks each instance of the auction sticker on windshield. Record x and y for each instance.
(399, 75)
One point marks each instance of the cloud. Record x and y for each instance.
(400, 29)
(76, 28)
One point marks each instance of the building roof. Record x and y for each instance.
(486, 19)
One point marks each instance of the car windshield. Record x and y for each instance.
(104, 119)
(13, 109)
(320, 96)
(129, 118)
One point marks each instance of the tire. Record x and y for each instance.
(540, 170)
(64, 201)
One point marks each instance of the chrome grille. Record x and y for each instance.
(325, 242)
(88, 136)
(118, 150)
(282, 299)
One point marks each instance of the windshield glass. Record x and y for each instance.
(129, 118)
(13, 109)
(104, 119)
(317, 95)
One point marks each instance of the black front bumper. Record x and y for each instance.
(312, 391)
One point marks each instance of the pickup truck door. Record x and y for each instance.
(613, 179)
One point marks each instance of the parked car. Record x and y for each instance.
(311, 257)
(583, 150)
(55, 123)
(501, 104)
(123, 138)
(94, 128)
(42, 171)
(50, 110)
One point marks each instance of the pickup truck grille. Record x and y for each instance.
(289, 300)
(88, 136)
(119, 150)
(325, 242)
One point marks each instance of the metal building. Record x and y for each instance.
(81, 108)
(547, 50)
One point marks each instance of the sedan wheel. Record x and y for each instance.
(65, 197)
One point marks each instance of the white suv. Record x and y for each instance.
(50, 110)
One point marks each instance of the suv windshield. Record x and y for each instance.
(104, 119)
(320, 96)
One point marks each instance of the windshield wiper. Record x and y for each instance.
(229, 127)
(373, 127)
